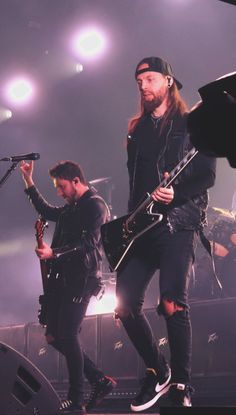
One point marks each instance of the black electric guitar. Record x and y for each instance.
(119, 235)
(40, 226)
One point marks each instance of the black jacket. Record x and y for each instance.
(187, 211)
(76, 241)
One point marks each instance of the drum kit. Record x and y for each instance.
(221, 232)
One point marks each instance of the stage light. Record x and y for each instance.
(89, 43)
(106, 304)
(79, 67)
(5, 114)
(8, 114)
(19, 91)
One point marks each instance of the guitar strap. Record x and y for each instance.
(209, 246)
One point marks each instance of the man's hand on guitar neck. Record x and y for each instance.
(45, 252)
(163, 194)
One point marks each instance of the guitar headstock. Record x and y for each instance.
(40, 226)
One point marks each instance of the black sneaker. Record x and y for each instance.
(100, 389)
(68, 407)
(153, 387)
(180, 394)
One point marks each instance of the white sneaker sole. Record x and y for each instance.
(150, 403)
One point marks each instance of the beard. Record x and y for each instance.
(150, 106)
(157, 100)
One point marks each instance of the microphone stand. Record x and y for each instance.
(8, 173)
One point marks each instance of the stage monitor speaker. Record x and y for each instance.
(24, 390)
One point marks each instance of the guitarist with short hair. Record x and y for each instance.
(157, 142)
(74, 274)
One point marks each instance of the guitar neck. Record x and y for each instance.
(40, 243)
(44, 273)
(43, 265)
(178, 169)
(40, 226)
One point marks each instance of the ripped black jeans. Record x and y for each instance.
(173, 255)
(64, 319)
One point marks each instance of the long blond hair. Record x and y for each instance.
(176, 104)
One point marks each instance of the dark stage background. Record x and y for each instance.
(83, 116)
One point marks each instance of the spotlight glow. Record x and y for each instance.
(107, 304)
(5, 114)
(19, 91)
(89, 43)
(8, 114)
(14, 246)
(79, 68)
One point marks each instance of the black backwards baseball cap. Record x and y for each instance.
(156, 65)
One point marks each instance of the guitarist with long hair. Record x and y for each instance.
(74, 274)
(157, 141)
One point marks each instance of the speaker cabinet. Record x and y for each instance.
(214, 337)
(41, 354)
(89, 337)
(14, 336)
(24, 389)
(118, 356)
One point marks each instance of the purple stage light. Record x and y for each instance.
(89, 43)
(19, 91)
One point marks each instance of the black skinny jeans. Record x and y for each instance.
(173, 254)
(64, 322)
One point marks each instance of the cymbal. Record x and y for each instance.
(224, 212)
(100, 180)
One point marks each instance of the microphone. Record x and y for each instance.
(30, 156)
